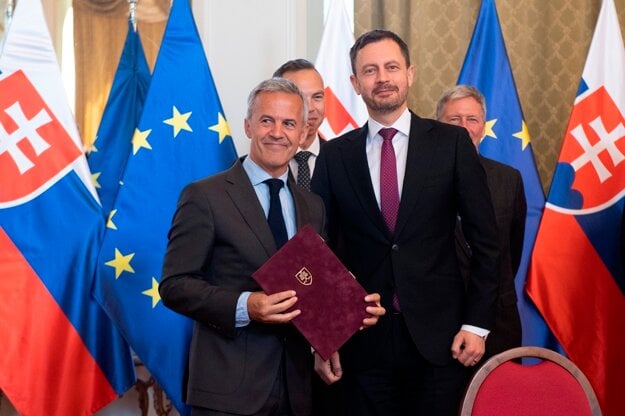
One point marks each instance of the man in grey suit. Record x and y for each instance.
(392, 189)
(244, 353)
(465, 106)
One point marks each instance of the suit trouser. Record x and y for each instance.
(403, 382)
(277, 403)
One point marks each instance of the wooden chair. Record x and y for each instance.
(553, 387)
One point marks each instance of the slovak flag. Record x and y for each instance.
(577, 277)
(345, 110)
(61, 354)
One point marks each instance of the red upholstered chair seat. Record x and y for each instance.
(552, 387)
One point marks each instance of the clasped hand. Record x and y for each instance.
(330, 370)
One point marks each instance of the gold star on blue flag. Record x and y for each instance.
(119, 119)
(487, 68)
(145, 204)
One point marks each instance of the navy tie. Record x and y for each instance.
(303, 170)
(275, 218)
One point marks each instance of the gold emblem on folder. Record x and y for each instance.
(304, 276)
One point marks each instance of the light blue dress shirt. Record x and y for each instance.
(257, 175)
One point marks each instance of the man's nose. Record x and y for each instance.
(277, 130)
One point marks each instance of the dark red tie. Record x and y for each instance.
(389, 190)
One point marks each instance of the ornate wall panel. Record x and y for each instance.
(547, 42)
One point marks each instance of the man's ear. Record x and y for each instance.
(355, 83)
(304, 135)
(410, 75)
(247, 128)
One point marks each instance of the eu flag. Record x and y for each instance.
(487, 68)
(61, 354)
(182, 136)
(121, 115)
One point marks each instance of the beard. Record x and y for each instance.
(386, 105)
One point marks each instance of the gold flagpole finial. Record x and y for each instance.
(8, 13)
(132, 4)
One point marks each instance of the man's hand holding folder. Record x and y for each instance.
(306, 283)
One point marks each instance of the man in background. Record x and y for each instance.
(309, 81)
(392, 190)
(465, 106)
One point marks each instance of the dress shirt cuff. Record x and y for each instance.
(476, 330)
(242, 318)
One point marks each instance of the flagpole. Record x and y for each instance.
(132, 5)
(8, 14)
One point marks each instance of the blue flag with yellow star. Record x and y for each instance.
(112, 145)
(182, 136)
(487, 68)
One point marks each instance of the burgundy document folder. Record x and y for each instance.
(331, 300)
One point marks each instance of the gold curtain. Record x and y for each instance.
(547, 42)
(3, 7)
(100, 28)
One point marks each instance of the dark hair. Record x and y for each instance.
(373, 36)
(293, 66)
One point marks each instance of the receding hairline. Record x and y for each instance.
(375, 36)
(294, 65)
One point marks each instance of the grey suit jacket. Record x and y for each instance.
(218, 238)
(443, 177)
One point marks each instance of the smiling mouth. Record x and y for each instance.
(385, 91)
(275, 145)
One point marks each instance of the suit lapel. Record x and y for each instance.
(418, 160)
(354, 155)
(244, 197)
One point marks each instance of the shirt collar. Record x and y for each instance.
(402, 124)
(257, 174)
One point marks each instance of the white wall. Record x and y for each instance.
(246, 40)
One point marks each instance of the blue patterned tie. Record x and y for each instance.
(303, 170)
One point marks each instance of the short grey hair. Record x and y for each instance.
(276, 84)
(458, 92)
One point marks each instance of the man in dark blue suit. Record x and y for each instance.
(465, 106)
(392, 190)
(304, 74)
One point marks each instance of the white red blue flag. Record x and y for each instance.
(345, 110)
(61, 355)
(577, 277)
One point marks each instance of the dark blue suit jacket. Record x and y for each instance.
(443, 178)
